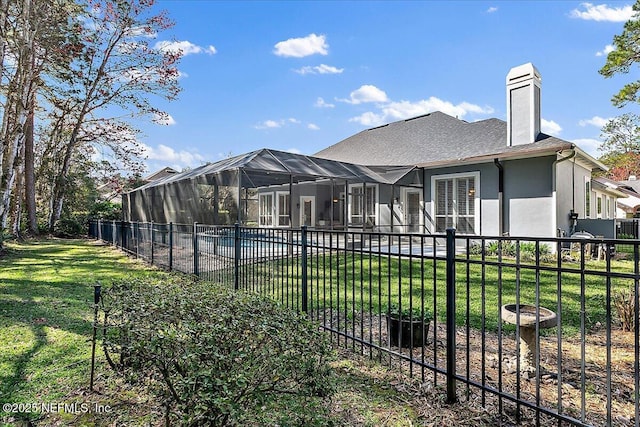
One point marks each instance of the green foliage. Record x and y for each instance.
(217, 356)
(507, 248)
(413, 313)
(105, 210)
(626, 53)
(621, 134)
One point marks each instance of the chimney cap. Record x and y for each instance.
(523, 72)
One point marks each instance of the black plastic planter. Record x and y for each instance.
(407, 333)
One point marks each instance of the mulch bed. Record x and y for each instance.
(498, 362)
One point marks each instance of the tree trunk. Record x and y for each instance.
(29, 175)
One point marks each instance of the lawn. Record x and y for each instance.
(46, 293)
(354, 283)
(46, 297)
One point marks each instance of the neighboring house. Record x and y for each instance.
(628, 203)
(424, 174)
(612, 199)
(110, 191)
(489, 177)
(160, 174)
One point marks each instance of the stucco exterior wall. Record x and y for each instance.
(570, 194)
(529, 206)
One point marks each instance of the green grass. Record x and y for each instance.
(355, 283)
(46, 297)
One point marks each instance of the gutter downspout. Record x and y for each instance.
(554, 184)
(500, 167)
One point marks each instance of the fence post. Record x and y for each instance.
(96, 302)
(123, 235)
(236, 257)
(451, 315)
(114, 233)
(195, 249)
(151, 238)
(136, 230)
(304, 268)
(170, 246)
(99, 230)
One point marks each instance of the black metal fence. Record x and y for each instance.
(534, 330)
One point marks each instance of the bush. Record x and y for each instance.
(217, 356)
(624, 303)
(509, 249)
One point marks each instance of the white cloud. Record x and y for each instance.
(607, 49)
(275, 124)
(320, 103)
(492, 9)
(303, 46)
(319, 69)
(293, 150)
(142, 31)
(167, 154)
(270, 124)
(185, 47)
(589, 145)
(405, 109)
(366, 93)
(313, 126)
(550, 127)
(603, 13)
(369, 119)
(164, 119)
(594, 121)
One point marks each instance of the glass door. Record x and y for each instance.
(308, 211)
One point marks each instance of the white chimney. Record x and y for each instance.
(523, 104)
(632, 178)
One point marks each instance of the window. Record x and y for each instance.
(455, 199)
(608, 212)
(599, 206)
(587, 199)
(283, 209)
(363, 209)
(265, 218)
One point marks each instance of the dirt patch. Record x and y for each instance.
(573, 380)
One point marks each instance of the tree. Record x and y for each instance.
(625, 54)
(621, 146)
(35, 39)
(110, 81)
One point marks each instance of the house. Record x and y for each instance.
(162, 173)
(424, 174)
(489, 177)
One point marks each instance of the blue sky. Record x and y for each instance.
(300, 76)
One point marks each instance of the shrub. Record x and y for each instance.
(216, 356)
(624, 303)
(415, 313)
(509, 249)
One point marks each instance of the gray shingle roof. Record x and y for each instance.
(431, 139)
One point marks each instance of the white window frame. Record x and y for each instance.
(599, 206)
(588, 203)
(476, 201)
(277, 209)
(610, 203)
(376, 206)
(261, 223)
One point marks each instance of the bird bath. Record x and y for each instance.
(529, 317)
